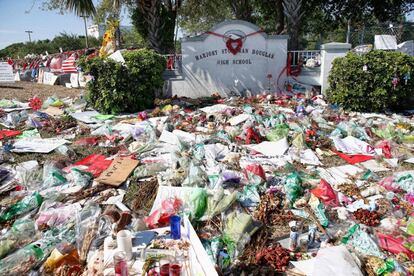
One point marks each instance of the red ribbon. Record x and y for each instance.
(234, 45)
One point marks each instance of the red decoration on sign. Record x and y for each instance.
(234, 45)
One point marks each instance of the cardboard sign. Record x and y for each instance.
(6, 72)
(49, 78)
(118, 171)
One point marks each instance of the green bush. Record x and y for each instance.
(130, 87)
(371, 90)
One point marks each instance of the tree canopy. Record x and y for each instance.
(155, 20)
(67, 42)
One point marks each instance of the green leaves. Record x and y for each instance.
(124, 88)
(371, 90)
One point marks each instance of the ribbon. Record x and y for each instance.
(234, 45)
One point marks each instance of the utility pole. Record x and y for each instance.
(86, 30)
(348, 33)
(29, 32)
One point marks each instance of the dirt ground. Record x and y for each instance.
(23, 91)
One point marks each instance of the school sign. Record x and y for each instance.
(233, 56)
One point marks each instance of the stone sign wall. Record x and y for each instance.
(233, 56)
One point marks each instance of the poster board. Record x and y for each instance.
(6, 72)
(74, 80)
(49, 78)
(41, 75)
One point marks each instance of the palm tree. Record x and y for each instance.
(81, 7)
(86, 8)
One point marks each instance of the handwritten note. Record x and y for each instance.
(118, 171)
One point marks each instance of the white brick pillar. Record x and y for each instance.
(329, 52)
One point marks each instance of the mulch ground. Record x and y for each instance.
(23, 91)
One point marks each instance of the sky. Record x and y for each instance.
(14, 21)
(17, 16)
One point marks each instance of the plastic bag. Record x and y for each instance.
(4, 173)
(293, 188)
(149, 169)
(196, 177)
(88, 141)
(388, 184)
(299, 141)
(23, 260)
(95, 163)
(103, 130)
(52, 176)
(161, 216)
(354, 158)
(24, 206)
(198, 203)
(385, 146)
(361, 242)
(393, 244)
(230, 177)
(238, 229)
(57, 215)
(255, 174)
(249, 197)
(21, 233)
(63, 254)
(218, 203)
(326, 194)
(86, 228)
(280, 131)
(80, 178)
(386, 133)
(319, 210)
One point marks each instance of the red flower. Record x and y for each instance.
(35, 103)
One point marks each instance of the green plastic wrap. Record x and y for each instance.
(52, 176)
(361, 242)
(26, 258)
(279, 132)
(388, 267)
(21, 233)
(319, 210)
(24, 206)
(293, 188)
(387, 133)
(408, 139)
(299, 141)
(219, 202)
(198, 203)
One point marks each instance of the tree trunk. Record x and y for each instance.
(160, 19)
(292, 10)
(150, 10)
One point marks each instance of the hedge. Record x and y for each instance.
(365, 82)
(128, 87)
